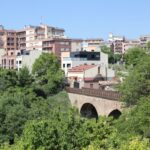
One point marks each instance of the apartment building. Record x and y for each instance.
(9, 59)
(128, 44)
(76, 45)
(86, 45)
(92, 44)
(56, 46)
(31, 37)
(21, 39)
(144, 39)
(116, 43)
(2, 53)
(28, 38)
(8, 39)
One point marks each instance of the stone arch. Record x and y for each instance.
(88, 111)
(115, 114)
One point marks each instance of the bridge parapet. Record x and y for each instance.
(111, 95)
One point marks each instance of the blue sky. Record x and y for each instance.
(80, 18)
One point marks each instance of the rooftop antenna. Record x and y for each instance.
(41, 20)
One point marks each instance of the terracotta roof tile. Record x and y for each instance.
(81, 68)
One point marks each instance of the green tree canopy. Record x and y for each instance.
(48, 75)
(148, 45)
(112, 58)
(66, 132)
(133, 56)
(137, 84)
(136, 121)
(24, 77)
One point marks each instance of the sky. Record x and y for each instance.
(80, 18)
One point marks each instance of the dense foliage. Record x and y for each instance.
(112, 58)
(137, 84)
(49, 76)
(35, 114)
(133, 56)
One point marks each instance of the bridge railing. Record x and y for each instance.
(112, 95)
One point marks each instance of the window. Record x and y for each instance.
(92, 56)
(64, 65)
(12, 62)
(68, 65)
(19, 61)
(98, 70)
(62, 49)
(91, 85)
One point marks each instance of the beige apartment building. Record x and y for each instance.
(31, 37)
(86, 45)
(92, 44)
(56, 46)
(120, 44)
(76, 45)
(8, 39)
(128, 44)
(144, 39)
(42, 38)
(9, 59)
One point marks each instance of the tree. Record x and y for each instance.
(137, 84)
(148, 45)
(133, 56)
(24, 77)
(16, 109)
(8, 78)
(136, 120)
(112, 58)
(49, 77)
(65, 131)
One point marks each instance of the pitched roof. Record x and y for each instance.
(81, 68)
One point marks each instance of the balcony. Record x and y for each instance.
(74, 59)
(47, 45)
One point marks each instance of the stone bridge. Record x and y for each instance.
(93, 103)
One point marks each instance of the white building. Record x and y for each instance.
(27, 58)
(72, 59)
(88, 76)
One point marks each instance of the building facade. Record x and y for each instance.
(56, 46)
(88, 76)
(8, 39)
(128, 44)
(27, 58)
(72, 59)
(92, 45)
(144, 40)
(9, 59)
(30, 37)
